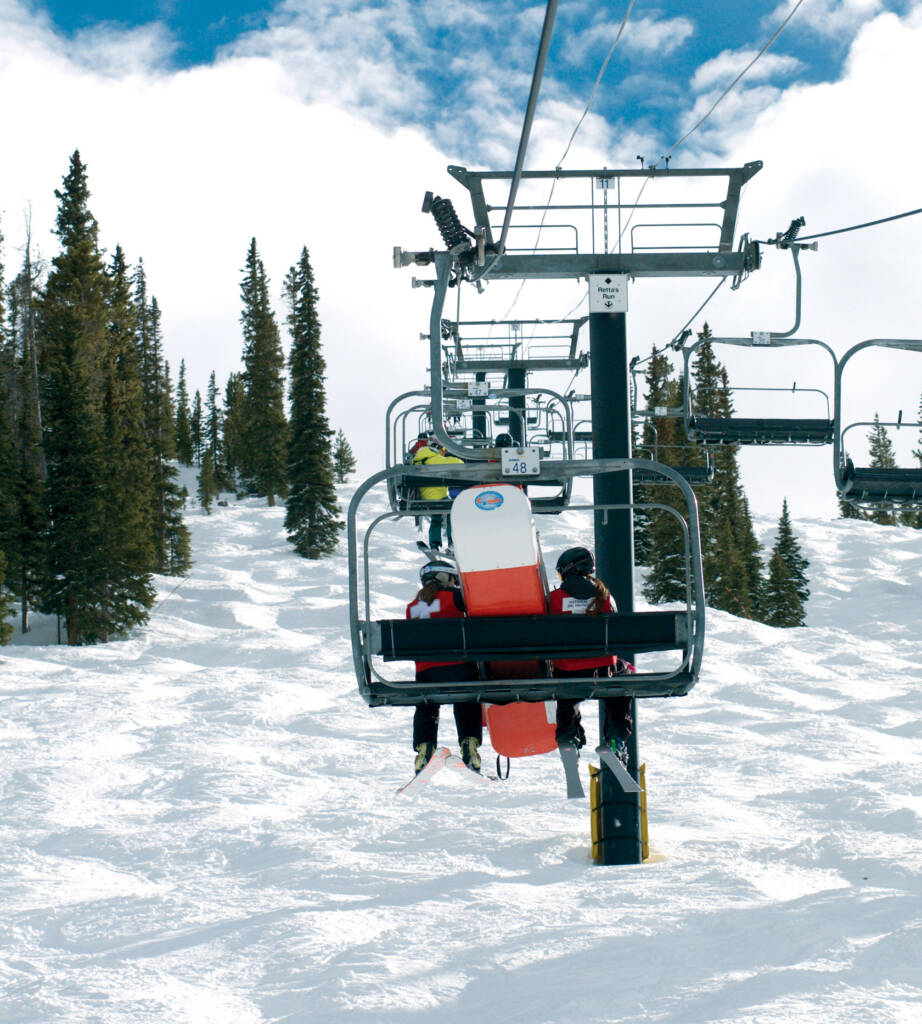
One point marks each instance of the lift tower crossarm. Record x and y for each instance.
(724, 262)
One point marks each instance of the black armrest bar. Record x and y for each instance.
(525, 637)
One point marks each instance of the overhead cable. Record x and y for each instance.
(678, 339)
(858, 227)
(726, 92)
(540, 61)
(598, 79)
(573, 134)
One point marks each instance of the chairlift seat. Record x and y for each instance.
(693, 474)
(746, 430)
(512, 638)
(882, 486)
(561, 435)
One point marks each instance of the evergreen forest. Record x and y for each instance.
(92, 429)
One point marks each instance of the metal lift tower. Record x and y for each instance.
(608, 274)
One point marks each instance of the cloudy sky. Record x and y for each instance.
(323, 123)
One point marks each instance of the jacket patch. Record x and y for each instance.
(421, 610)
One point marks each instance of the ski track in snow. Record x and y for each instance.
(199, 823)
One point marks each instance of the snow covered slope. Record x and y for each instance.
(199, 824)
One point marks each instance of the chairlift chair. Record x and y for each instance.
(758, 430)
(524, 638)
(871, 487)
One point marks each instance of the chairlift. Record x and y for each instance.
(707, 430)
(403, 489)
(504, 638)
(696, 474)
(872, 486)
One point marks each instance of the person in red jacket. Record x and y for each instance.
(440, 598)
(581, 593)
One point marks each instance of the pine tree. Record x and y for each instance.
(917, 452)
(657, 380)
(170, 534)
(233, 445)
(880, 449)
(185, 451)
(24, 535)
(730, 551)
(6, 606)
(266, 431)
(127, 482)
(207, 484)
(212, 427)
(849, 511)
(787, 588)
(196, 427)
(343, 458)
(311, 509)
(913, 516)
(8, 510)
(75, 331)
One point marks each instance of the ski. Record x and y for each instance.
(436, 763)
(458, 765)
(614, 765)
(569, 755)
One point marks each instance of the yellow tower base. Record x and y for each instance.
(595, 813)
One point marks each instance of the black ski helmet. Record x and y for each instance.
(578, 561)
(439, 570)
(503, 441)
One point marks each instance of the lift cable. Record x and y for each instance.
(668, 156)
(598, 80)
(579, 124)
(682, 334)
(854, 227)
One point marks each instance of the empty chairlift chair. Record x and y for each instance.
(874, 486)
(759, 429)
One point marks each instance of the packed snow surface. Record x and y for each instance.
(199, 824)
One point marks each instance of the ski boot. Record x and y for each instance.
(470, 754)
(424, 752)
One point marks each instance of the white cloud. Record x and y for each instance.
(186, 166)
(722, 69)
(107, 49)
(651, 35)
(643, 36)
(826, 17)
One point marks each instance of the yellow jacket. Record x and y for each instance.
(430, 457)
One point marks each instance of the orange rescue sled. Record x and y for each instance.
(502, 573)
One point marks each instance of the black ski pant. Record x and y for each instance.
(618, 720)
(468, 718)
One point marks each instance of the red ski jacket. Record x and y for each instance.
(447, 604)
(564, 603)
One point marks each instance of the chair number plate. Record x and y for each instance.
(520, 461)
